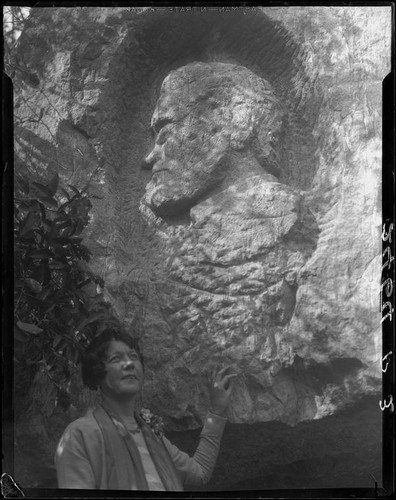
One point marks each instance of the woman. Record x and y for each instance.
(112, 447)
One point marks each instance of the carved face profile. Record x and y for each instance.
(204, 112)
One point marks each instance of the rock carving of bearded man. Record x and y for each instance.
(235, 237)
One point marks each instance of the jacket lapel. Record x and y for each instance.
(161, 458)
(127, 472)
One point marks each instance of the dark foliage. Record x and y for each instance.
(59, 303)
(14, 20)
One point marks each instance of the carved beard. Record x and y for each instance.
(173, 191)
(165, 201)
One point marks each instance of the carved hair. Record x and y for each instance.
(244, 105)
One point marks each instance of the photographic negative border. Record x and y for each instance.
(388, 360)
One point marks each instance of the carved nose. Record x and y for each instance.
(150, 159)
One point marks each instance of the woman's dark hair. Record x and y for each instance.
(92, 362)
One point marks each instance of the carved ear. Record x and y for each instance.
(242, 125)
(267, 145)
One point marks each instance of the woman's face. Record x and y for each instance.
(124, 371)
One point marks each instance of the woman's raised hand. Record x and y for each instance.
(221, 389)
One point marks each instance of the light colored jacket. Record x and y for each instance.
(81, 460)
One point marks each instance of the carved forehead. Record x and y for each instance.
(211, 85)
(202, 78)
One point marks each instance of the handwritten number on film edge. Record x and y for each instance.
(388, 285)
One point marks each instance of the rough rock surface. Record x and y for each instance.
(292, 303)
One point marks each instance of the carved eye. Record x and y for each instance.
(158, 125)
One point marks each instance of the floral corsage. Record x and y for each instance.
(154, 421)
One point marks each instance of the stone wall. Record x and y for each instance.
(294, 308)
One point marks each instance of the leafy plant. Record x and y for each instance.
(14, 20)
(59, 303)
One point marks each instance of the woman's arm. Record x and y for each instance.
(197, 470)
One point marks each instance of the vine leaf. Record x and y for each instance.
(92, 317)
(43, 253)
(53, 184)
(29, 328)
(56, 341)
(28, 224)
(33, 285)
(42, 190)
(20, 335)
(50, 202)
